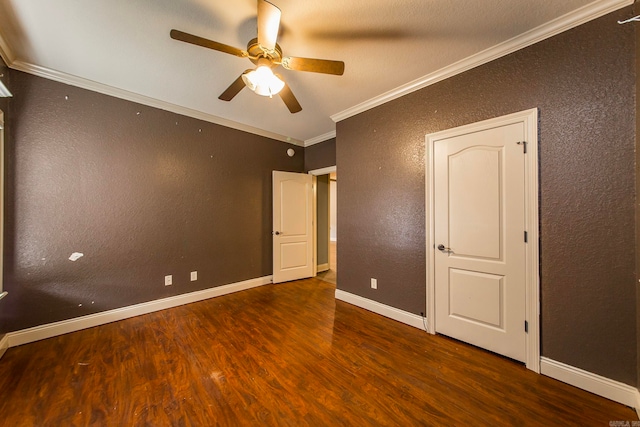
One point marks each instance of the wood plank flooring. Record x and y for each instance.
(286, 354)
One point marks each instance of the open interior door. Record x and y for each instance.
(292, 226)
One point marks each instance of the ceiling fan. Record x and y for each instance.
(266, 54)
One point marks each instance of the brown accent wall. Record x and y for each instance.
(582, 81)
(141, 192)
(321, 155)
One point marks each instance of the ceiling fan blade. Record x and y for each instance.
(289, 99)
(200, 41)
(234, 89)
(268, 24)
(324, 66)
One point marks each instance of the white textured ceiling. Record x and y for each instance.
(124, 48)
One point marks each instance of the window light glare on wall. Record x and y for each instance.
(4, 92)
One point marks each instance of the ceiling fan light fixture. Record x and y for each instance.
(262, 81)
(266, 54)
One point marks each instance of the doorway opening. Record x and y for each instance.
(326, 223)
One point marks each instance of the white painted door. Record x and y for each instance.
(479, 234)
(292, 226)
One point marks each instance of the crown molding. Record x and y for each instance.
(6, 53)
(144, 100)
(563, 23)
(7, 57)
(573, 19)
(320, 138)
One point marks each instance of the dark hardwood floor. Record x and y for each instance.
(286, 354)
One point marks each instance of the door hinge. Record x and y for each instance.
(524, 145)
(526, 237)
(526, 326)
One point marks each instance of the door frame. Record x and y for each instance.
(2, 211)
(532, 270)
(316, 173)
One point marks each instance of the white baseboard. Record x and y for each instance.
(4, 344)
(384, 310)
(323, 267)
(41, 332)
(596, 384)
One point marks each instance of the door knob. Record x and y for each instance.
(443, 248)
(277, 233)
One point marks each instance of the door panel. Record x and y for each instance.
(474, 180)
(293, 255)
(293, 206)
(479, 209)
(292, 226)
(476, 297)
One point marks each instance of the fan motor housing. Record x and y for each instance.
(256, 52)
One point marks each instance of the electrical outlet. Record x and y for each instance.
(374, 283)
(168, 280)
(194, 276)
